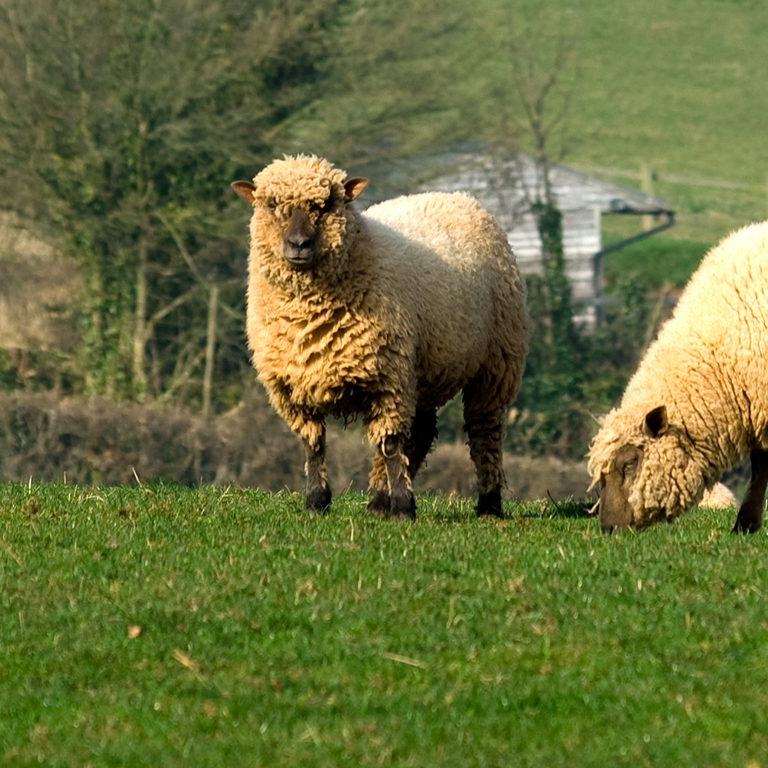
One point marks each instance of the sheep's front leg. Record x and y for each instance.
(423, 435)
(397, 502)
(750, 517)
(310, 427)
(318, 489)
(378, 482)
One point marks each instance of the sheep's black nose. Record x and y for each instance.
(300, 252)
(299, 242)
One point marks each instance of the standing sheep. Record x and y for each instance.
(698, 403)
(386, 314)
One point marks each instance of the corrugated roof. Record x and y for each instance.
(511, 184)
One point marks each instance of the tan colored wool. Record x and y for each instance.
(708, 367)
(412, 300)
(718, 497)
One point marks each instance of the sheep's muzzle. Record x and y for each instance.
(300, 240)
(615, 512)
(615, 485)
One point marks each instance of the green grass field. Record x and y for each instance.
(660, 262)
(164, 626)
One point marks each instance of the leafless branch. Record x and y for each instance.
(193, 268)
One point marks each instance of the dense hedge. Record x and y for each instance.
(96, 442)
(99, 442)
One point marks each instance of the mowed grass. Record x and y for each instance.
(210, 627)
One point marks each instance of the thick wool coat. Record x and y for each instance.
(708, 367)
(412, 301)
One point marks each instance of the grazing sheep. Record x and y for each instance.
(718, 497)
(386, 314)
(698, 402)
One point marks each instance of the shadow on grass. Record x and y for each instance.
(569, 508)
(456, 509)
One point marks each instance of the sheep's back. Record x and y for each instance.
(455, 227)
(450, 266)
(709, 360)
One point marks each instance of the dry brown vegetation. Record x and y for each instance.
(48, 438)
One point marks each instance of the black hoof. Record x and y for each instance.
(489, 504)
(318, 500)
(403, 508)
(746, 526)
(378, 506)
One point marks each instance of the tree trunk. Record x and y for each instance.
(140, 325)
(210, 349)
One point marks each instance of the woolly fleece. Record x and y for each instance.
(708, 367)
(411, 302)
(718, 497)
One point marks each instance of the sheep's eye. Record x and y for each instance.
(629, 467)
(321, 208)
(271, 204)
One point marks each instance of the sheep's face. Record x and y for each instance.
(300, 216)
(645, 476)
(301, 231)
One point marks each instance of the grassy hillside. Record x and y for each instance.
(661, 262)
(681, 86)
(162, 626)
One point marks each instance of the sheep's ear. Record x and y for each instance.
(354, 187)
(656, 423)
(246, 190)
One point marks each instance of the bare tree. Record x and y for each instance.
(538, 65)
(121, 125)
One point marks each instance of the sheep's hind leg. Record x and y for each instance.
(379, 505)
(485, 428)
(318, 490)
(750, 517)
(423, 436)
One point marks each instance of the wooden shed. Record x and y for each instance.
(508, 186)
